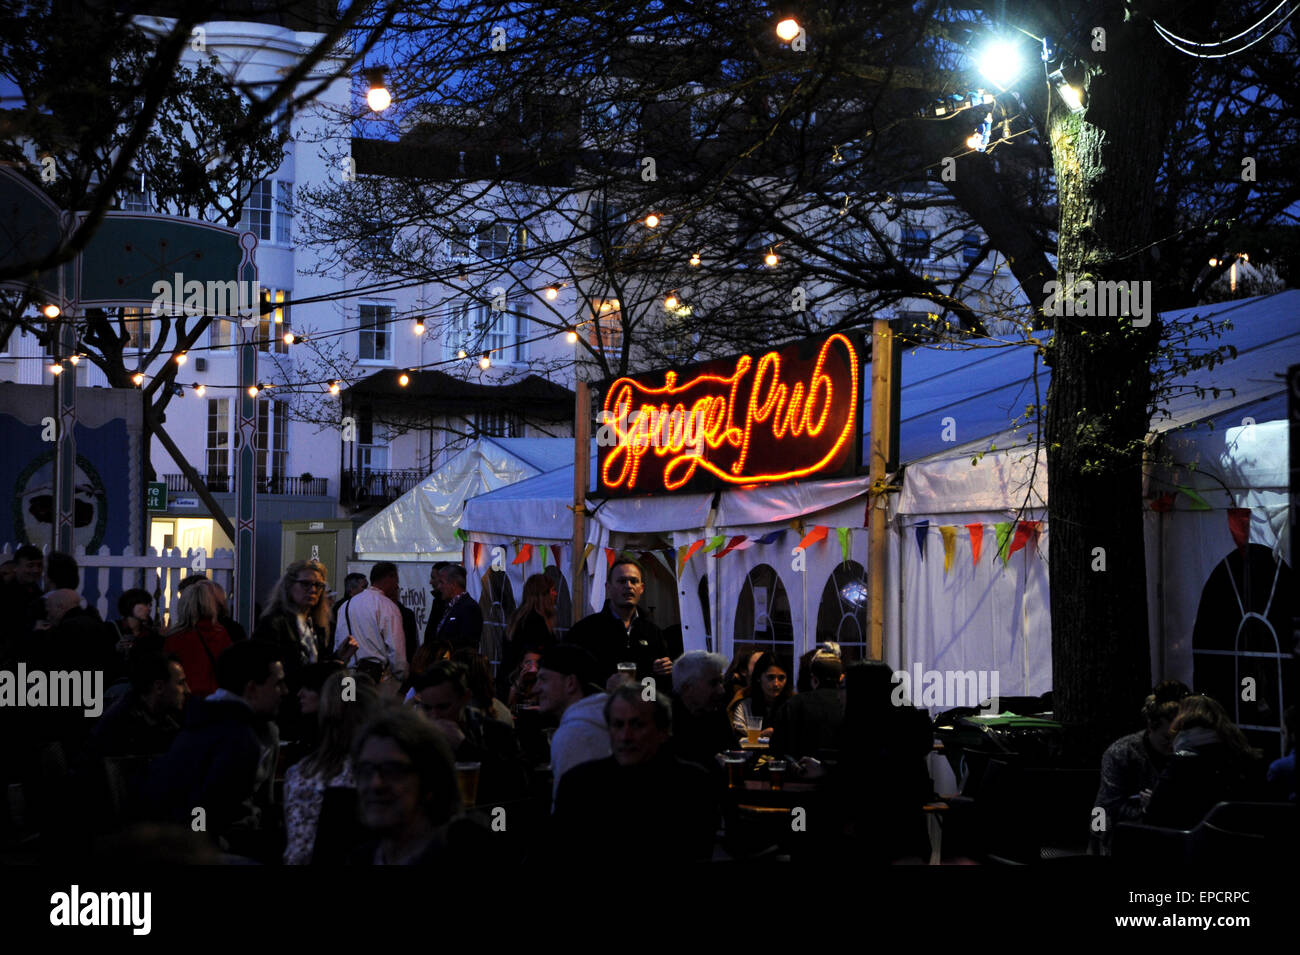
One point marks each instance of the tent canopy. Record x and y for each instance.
(422, 523)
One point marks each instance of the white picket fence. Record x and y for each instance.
(106, 574)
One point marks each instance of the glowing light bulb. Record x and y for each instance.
(138, 379)
(200, 390)
(403, 379)
(652, 220)
(462, 353)
(1213, 263)
(334, 387)
(418, 328)
(671, 302)
(51, 311)
(552, 293)
(181, 358)
(290, 338)
(252, 391)
(770, 260)
(788, 29)
(486, 361)
(378, 98)
(695, 259)
(74, 359)
(571, 336)
(56, 369)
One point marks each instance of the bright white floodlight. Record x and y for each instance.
(1001, 63)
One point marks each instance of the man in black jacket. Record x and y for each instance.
(620, 632)
(462, 622)
(223, 762)
(701, 727)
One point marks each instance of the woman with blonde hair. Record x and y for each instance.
(330, 764)
(195, 637)
(1212, 763)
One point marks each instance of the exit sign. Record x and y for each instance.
(156, 497)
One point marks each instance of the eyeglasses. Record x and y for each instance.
(391, 770)
(310, 584)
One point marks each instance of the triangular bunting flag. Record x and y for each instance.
(818, 533)
(949, 534)
(731, 545)
(845, 544)
(685, 553)
(1239, 525)
(1198, 503)
(922, 532)
(525, 552)
(609, 557)
(555, 553)
(461, 535)
(478, 549)
(1026, 531)
(715, 542)
(545, 551)
(976, 541)
(1003, 530)
(772, 537)
(1165, 502)
(586, 552)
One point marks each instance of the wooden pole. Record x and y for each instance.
(882, 414)
(581, 459)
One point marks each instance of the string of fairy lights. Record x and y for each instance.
(378, 100)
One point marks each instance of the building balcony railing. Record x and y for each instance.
(222, 483)
(367, 487)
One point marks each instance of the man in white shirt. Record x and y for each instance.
(375, 622)
(566, 687)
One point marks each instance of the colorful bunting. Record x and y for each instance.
(555, 553)
(525, 552)
(772, 537)
(609, 557)
(922, 531)
(461, 535)
(818, 533)
(731, 545)
(715, 543)
(545, 553)
(1026, 531)
(1198, 503)
(478, 549)
(976, 541)
(1239, 525)
(1003, 530)
(586, 552)
(843, 534)
(949, 534)
(685, 553)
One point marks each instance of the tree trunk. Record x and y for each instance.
(1106, 162)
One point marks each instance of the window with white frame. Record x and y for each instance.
(272, 441)
(498, 424)
(284, 212)
(256, 214)
(605, 329)
(377, 240)
(221, 334)
(372, 443)
(472, 241)
(218, 444)
(375, 335)
(474, 327)
(139, 328)
(274, 321)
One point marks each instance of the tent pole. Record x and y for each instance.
(581, 457)
(882, 417)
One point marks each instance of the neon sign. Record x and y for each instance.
(786, 414)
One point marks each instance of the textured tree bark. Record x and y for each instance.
(1106, 162)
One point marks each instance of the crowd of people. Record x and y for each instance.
(336, 733)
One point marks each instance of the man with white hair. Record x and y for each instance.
(701, 728)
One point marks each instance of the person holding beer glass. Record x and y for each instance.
(769, 688)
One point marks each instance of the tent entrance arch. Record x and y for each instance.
(1246, 604)
(842, 612)
(763, 620)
